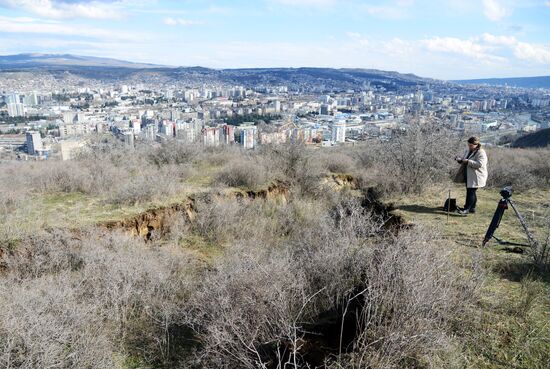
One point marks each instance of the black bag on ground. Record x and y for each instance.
(450, 205)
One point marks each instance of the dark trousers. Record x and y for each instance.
(471, 199)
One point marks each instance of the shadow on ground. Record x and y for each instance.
(420, 209)
(516, 271)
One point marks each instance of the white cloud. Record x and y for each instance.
(29, 25)
(547, 3)
(499, 40)
(181, 22)
(522, 50)
(532, 52)
(455, 45)
(490, 48)
(67, 9)
(495, 10)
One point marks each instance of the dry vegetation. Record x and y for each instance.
(315, 279)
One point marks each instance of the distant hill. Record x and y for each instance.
(526, 82)
(119, 70)
(536, 139)
(25, 61)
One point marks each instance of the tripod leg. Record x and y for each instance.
(530, 236)
(495, 222)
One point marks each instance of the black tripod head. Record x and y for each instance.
(506, 192)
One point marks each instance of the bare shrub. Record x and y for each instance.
(221, 155)
(266, 292)
(258, 297)
(62, 177)
(523, 169)
(223, 220)
(337, 161)
(143, 187)
(417, 157)
(295, 165)
(91, 303)
(246, 174)
(174, 153)
(413, 294)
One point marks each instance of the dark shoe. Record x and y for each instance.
(472, 211)
(463, 211)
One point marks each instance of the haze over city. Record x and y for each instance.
(438, 39)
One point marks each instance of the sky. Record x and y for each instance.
(446, 39)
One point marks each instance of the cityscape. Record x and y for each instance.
(50, 118)
(274, 184)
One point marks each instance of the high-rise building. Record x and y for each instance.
(31, 99)
(16, 109)
(277, 105)
(70, 117)
(228, 134)
(211, 136)
(13, 99)
(339, 131)
(248, 137)
(34, 143)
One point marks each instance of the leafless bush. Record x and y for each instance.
(143, 187)
(339, 161)
(224, 220)
(90, 303)
(417, 157)
(174, 153)
(294, 164)
(267, 295)
(413, 293)
(258, 296)
(521, 168)
(246, 174)
(223, 154)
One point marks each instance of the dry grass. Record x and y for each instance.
(260, 282)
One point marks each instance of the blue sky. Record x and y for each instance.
(448, 39)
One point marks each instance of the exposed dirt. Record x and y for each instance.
(155, 220)
(146, 223)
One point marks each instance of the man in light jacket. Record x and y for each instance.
(474, 162)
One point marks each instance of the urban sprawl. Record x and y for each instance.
(46, 124)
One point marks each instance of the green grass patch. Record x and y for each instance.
(510, 326)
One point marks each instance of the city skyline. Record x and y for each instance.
(445, 40)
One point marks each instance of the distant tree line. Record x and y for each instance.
(5, 119)
(110, 104)
(237, 120)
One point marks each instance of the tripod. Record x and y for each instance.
(497, 217)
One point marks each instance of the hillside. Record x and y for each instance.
(67, 61)
(536, 139)
(117, 70)
(183, 256)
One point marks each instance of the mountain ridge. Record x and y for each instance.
(526, 82)
(118, 70)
